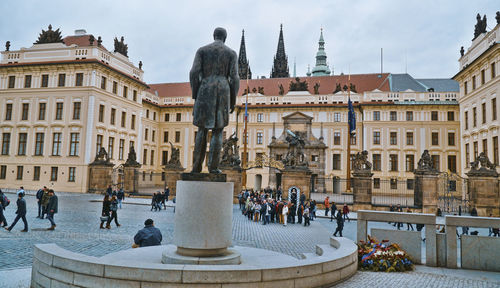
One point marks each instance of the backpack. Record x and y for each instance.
(6, 201)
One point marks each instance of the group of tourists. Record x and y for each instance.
(160, 199)
(47, 205)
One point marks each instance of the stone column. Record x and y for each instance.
(300, 178)
(172, 175)
(483, 191)
(99, 178)
(426, 190)
(362, 190)
(130, 179)
(233, 174)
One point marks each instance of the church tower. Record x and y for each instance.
(321, 68)
(280, 67)
(243, 65)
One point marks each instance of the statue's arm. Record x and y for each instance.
(234, 79)
(195, 74)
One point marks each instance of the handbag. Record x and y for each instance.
(104, 218)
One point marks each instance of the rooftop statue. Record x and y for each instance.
(121, 47)
(298, 85)
(49, 36)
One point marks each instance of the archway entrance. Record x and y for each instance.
(258, 182)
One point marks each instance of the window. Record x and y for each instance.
(152, 158)
(165, 136)
(482, 77)
(336, 117)
(103, 82)
(59, 111)
(376, 115)
(76, 110)
(19, 173)
(45, 80)
(393, 162)
(466, 117)
(451, 139)
(5, 143)
(376, 137)
(167, 117)
(36, 173)
(377, 162)
(39, 137)
(435, 162)
(27, 81)
(124, 119)
(474, 82)
(111, 144)
(177, 136)
(394, 138)
(435, 138)
(112, 116)
(260, 117)
(62, 80)
(485, 146)
(353, 139)
(259, 137)
(393, 116)
(452, 163)
(154, 116)
(79, 79)
(3, 171)
(42, 107)
(474, 117)
(153, 135)
(410, 163)
(494, 109)
(125, 92)
(101, 113)
(409, 184)
(476, 153)
(409, 115)
(98, 145)
(25, 111)
(314, 158)
(451, 116)
(409, 138)
(115, 87)
(8, 112)
(465, 88)
(145, 156)
(495, 150)
(23, 139)
(376, 183)
(121, 149)
(164, 157)
(336, 162)
(434, 115)
(71, 174)
(483, 112)
(53, 173)
(132, 123)
(178, 117)
(74, 144)
(12, 81)
(146, 134)
(493, 71)
(134, 95)
(394, 183)
(56, 144)
(336, 138)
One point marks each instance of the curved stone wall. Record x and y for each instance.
(57, 267)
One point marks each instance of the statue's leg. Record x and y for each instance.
(215, 147)
(200, 147)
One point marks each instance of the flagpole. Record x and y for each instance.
(348, 137)
(245, 140)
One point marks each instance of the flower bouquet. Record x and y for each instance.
(375, 256)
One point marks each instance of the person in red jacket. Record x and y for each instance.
(327, 205)
(345, 211)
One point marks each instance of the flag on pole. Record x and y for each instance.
(351, 118)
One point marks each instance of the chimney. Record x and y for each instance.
(80, 32)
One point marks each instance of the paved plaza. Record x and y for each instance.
(78, 231)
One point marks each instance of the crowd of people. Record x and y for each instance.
(159, 199)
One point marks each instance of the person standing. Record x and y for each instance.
(257, 208)
(306, 217)
(399, 209)
(167, 193)
(21, 213)
(109, 191)
(279, 193)
(340, 224)
(409, 225)
(114, 213)
(280, 212)
(21, 191)
(4, 202)
(163, 196)
(327, 205)
(285, 213)
(292, 212)
(45, 202)
(313, 209)
(333, 209)
(52, 209)
(345, 212)
(39, 196)
(106, 207)
(120, 196)
(300, 212)
(147, 236)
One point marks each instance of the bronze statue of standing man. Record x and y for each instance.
(215, 83)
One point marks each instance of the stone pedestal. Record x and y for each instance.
(100, 177)
(484, 195)
(172, 175)
(234, 175)
(130, 180)
(203, 224)
(426, 191)
(300, 178)
(362, 191)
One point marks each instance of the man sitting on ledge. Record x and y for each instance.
(147, 236)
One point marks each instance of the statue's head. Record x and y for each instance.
(220, 34)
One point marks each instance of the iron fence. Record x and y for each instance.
(149, 182)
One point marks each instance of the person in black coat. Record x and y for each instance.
(21, 213)
(52, 209)
(114, 212)
(147, 236)
(3, 204)
(340, 223)
(106, 207)
(39, 196)
(333, 209)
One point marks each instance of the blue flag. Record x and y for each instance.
(351, 118)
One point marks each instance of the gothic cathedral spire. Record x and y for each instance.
(243, 65)
(280, 67)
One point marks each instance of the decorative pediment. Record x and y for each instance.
(297, 115)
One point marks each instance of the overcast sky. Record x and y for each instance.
(424, 36)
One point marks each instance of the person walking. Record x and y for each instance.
(332, 212)
(114, 212)
(409, 225)
(4, 202)
(327, 205)
(45, 202)
(21, 213)
(147, 236)
(39, 196)
(163, 196)
(345, 212)
(105, 210)
(167, 193)
(109, 191)
(52, 209)
(306, 217)
(21, 191)
(313, 209)
(340, 224)
(120, 196)
(285, 213)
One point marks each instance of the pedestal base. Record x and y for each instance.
(227, 257)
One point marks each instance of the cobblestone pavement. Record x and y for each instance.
(78, 231)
